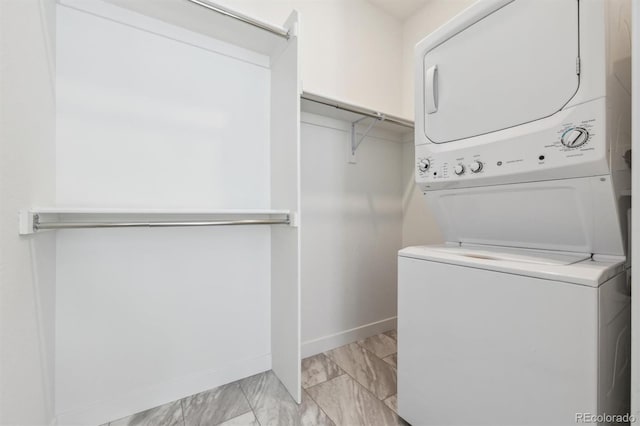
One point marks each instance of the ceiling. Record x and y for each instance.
(401, 9)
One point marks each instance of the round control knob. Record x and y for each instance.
(459, 169)
(476, 166)
(574, 137)
(423, 165)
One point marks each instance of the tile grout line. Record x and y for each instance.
(335, 422)
(328, 380)
(357, 342)
(235, 417)
(353, 378)
(318, 404)
(375, 356)
(385, 403)
(395, 367)
(331, 361)
(382, 359)
(384, 406)
(255, 416)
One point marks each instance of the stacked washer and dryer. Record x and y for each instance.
(523, 135)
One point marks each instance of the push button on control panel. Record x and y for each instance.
(574, 137)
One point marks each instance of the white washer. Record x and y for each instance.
(497, 336)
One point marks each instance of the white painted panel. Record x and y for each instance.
(486, 348)
(285, 194)
(148, 121)
(147, 309)
(155, 120)
(352, 231)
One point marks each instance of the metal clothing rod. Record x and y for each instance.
(243, 18)
(357, 110)
(73, 225)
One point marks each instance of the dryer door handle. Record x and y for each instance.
(431, 80)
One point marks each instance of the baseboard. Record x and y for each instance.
(143, 398)
(316, 346)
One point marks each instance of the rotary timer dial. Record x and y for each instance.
(574, 137)
(423, 165)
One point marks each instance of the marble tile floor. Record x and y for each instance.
(354, 384)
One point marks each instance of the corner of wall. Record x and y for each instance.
(27, 164)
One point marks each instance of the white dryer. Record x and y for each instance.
(523, 124)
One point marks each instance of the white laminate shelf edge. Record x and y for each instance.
(204, 17)
(341, 110)
(36, 220)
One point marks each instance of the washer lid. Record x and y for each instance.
(576, 268)
(497, 66)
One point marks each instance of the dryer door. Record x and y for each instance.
(515, 65)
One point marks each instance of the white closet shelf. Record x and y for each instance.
(341, 110)
(40, 219)
(211, 19)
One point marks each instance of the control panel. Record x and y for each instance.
(570, 148)
(442, 170)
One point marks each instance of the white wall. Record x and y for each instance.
(350, 50)
(352, 229)
(153, 116)
(27, 156)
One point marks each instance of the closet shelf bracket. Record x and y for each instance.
(355, 142)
